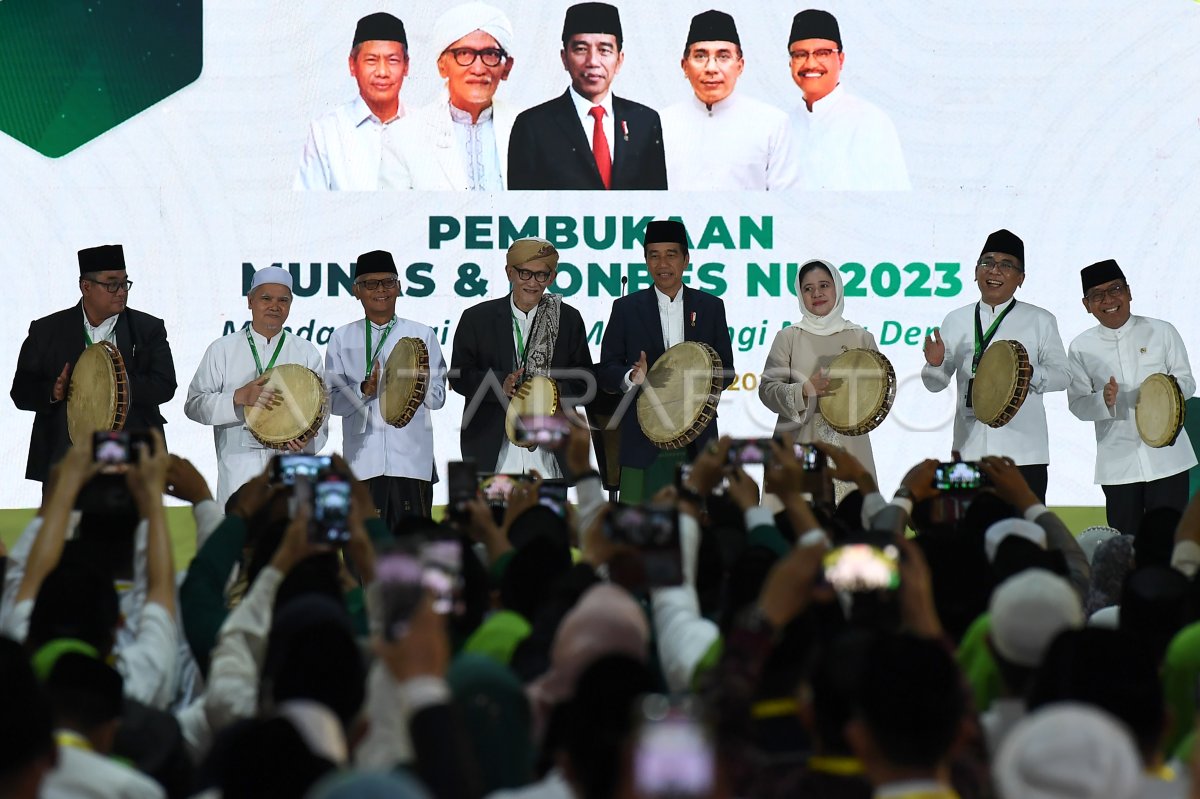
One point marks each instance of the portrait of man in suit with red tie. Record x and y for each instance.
(586, 138)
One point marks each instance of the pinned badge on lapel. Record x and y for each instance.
(694, 320)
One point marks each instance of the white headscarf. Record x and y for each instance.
(465, 19)
(831, 322)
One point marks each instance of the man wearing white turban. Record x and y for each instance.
(459, 142)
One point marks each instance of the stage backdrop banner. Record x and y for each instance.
(1075, 124)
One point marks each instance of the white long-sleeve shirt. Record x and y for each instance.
(1139, 348)
(371, 446)
(739, 143)
(847, 144)
(227, 365)
(1024, 439)
(345, 149)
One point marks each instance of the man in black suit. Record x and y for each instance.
(55, 342)
(499, 344)
(587, 138)
(642, 327)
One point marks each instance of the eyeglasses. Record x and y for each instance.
(465, 56)
(821, 55)
(701, 57)
(1005, 266)
(1112, 293)
(114, 286)
(526, 274)
(381, 283)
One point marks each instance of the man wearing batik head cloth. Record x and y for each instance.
(1108, 364)
(717, 138)
(587, 138)
(345, 146)
(954, 350)
(396, 462)
(643, 326)
(843, 142)
(501, 343)
(459, 142)
(55, 342)
(230, 379)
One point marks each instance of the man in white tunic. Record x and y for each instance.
(842, 141)
(1108, 364)
(716, 139)
(230, 379)
(346, 145)
(397, 463)
(459, 142)
(955, 349)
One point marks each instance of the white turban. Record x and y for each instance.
(1012, 526)
(271, 274)
(467, 18)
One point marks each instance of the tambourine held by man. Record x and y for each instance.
(679, 396)
(1001, 382)
(98, 397)
(405, 381)
(1160, 410)
(301, 410)
(535, 396)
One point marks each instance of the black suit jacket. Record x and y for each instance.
(485, 354)
(634, 327)
(58, 339)
(549, 148)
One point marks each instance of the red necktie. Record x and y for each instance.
(600, 147)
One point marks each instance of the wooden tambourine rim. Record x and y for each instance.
(1018, 387)
(118, 388)
(420, 384)
(883, 403)
(1171, 386)
(704, 416)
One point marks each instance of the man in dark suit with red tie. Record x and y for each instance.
(642, 327)
(587, 138)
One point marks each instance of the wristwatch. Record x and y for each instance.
(904, 492)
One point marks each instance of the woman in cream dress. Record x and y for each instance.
(794, 377)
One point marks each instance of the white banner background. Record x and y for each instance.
(1075, 124)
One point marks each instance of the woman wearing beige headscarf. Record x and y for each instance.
(794, 379)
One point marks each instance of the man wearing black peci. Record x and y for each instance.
(55, 342)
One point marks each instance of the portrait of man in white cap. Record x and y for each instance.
(345, 145)
(230, 379)
(459, 142)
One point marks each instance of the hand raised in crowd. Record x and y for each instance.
(185, 482)
(789, 587)
(255, 394)
(709, 467)
(62, 384)
(742, 489)
(578, 449)
(935, 348)
(1110, 392)
(76, 468)
(919, 480)
(481, 526)
(147, 475)
(1008, 482)
(369, 386)
(510, 382)
(359, 549)
(523, 497)
(423, 650)
(254, 495)
(361, 501)
(847, 467)
(918, 612)
(296, 544)
(637, 375)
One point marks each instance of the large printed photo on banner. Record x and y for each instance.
(484, 129)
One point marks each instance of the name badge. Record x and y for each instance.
(248, 439)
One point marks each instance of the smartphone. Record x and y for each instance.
(654, 532)
(673, 753)
(857, 568)
(463, 483)
(441, 574)
(115, 448)
(684, 471)
(959, 476)
(744, 451)
(331, 509)
(496, 489)
(400, 576)
(811, 459)
(553, 495)
(547, 432)
(286, 466)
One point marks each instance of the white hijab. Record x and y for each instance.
(831, 322)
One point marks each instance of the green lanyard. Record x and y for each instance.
(982, 340)
(88, 338)
(254, 351)
(520, 339)
(371, 357)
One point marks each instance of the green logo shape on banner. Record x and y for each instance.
(72, 70)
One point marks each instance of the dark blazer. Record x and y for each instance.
(56, 340)
(485, 354)
(549, 148)
(635, 327)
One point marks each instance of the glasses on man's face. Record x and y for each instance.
(701, 57)
(1112, 292)
(526, 274)
(382, 283)
(1004, 265)
(113, 286)
(465, 56)
(823, 54)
